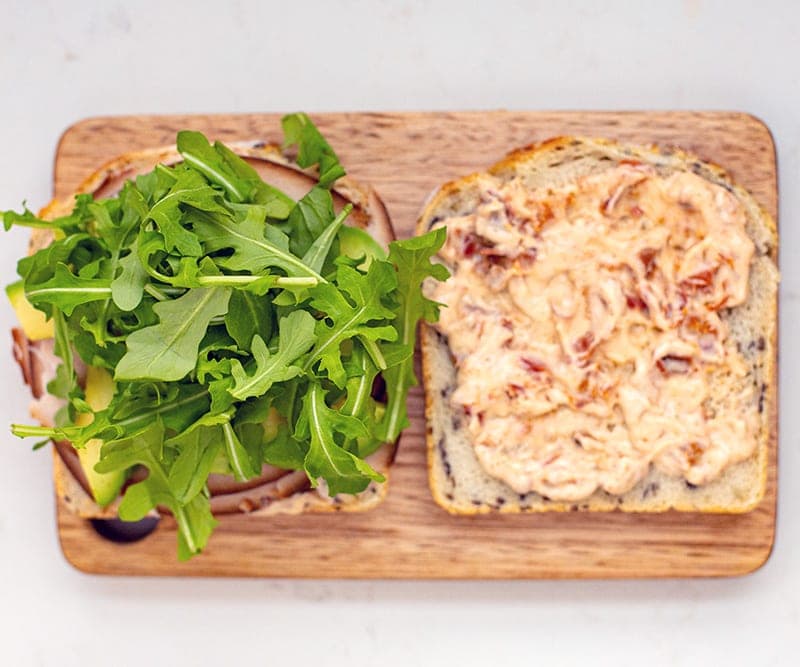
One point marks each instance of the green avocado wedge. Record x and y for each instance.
(105, 487)
(33, 322)
(356, 243)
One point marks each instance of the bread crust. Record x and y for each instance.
(761, 227)
(369, 213)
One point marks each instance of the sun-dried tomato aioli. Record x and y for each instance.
(584, 322)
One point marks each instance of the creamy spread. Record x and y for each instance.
(584, 325)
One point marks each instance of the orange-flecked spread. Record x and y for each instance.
(584, 323)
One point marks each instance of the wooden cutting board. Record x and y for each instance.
(405, 156)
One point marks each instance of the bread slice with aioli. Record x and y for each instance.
(458, 480)
(275, 491)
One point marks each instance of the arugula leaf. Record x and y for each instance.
(284, 451)
(198, 449)
(248, 316)
(66, 291)
(64, 381)
(131, 411)
(349, 320)
(195, 525)
(309, 218)
(344, 472)
(295, 336)
(252, 251)
(71, 221)
(115, 221)
(275, 202)
(193, 515)
(238, 457)
(219, 390)
(198, 153)
(361, 374)
(315, 256)
(412, 259)
(223, 167)
(312, 148)
(40, 266)
(127, 288)
(189, 189)
(64, 384)
(168, 350)
(25, 219)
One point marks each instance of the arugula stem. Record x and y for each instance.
(394, 414)
(29, 431)
(329, 339)
(34, 224)
(290, 403)
(33, 294)
(177, 508)
(164, 292)
(317, 403)
(166, 171)
(374, 352)
(315, 257)
(275, 256)
(133, 422)
(296, 282)
(230, 447)
(185, 527)
(226, 281)
(214, 175)
(364, 388)
(238, 281)
(156, 293)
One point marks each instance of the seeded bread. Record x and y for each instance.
(275, 492)
(458, 482)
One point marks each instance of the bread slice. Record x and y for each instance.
(458, 482)
(275, 491)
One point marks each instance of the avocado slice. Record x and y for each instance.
(99, 392)
(33, 322)
(355, 243)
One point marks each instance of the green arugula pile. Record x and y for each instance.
(236, 332)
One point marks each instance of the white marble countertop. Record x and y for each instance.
(60, 62)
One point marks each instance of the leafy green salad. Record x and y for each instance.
(233, 328)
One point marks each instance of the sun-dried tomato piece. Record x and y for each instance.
(532, 365)
(636, 302)
(584, 343)
(647, 256)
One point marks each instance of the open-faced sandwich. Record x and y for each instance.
(609, 334)
(211, 329)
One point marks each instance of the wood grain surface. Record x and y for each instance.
(405, 156)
